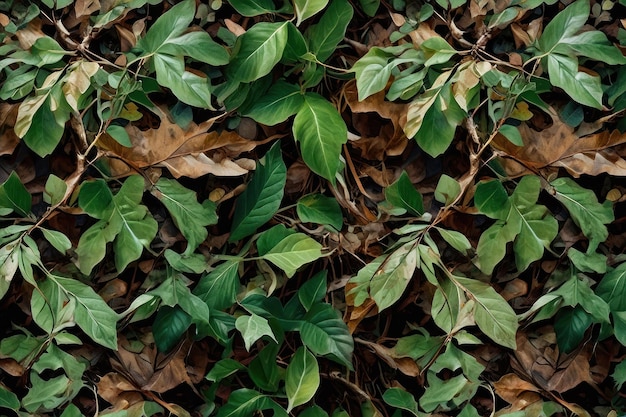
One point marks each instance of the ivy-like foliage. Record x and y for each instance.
(312, 208)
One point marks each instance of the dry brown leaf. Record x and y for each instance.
(559, 146)
(29, 35)
(86, 7)
(381, 140)
(405, 365)
(516, 391)
(8, 138)
(190, 152)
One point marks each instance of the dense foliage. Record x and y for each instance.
(312, 208)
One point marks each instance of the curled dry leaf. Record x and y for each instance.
(561, 146)
(385, 139)
(516, 391)
(8, 138)
(190, 152)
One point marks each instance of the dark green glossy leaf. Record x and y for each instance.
(95, 198)
(317, 208)
(313, 291)
(399, 398)
(14, 196)
(325, 333)
(261, 199)
(570, 326)
(277, 105)
(402, 194)
(218, 289)
(324, 36)
(264, 370)
(169, 326)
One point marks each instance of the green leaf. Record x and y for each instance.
(313, 291)
(281, 102)
(71, 411)
(169, 25)
(324, 333)
(252, 328)
(588, 262)
(399, 398)
(370, 7)
(14, 196)
(218, 289)
(120, 135)
(584, 88)
(324, 36)
(54, 190)
(188, 87)
(448, 189)
(491, 199)
(437, 51)
(455, 239)
(402, 194)
(251, 8)
(272, 237)
(92, 314)
(317, 208)
(564, 25)
(586, 211)
(8, 399)
(372, 71)
(9, 263)
(313, 411)
(189, 216)
(619, 375)
(321, 132)
(169, 326)
(493, 315)
(294, 251)
(263, 370)
(95, 198)
(125, 221)
(261, 198)
(570, 327)
(612, 288)
(224, 368)
(308, 8)
(302, 378)
(577, 291)
(192, 263)
(246, 402)
(257, 51)
(512, 134)
(198, 45)
(57, 239)
(46, 128)
(389, 282)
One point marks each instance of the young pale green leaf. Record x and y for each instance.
(246, 402)
(389, 282)
(308, 8)
(402, 194)
(570, 326)
(218, 289)
(399, 398)
(54, 190)
(582, 204)
(294, 251)
(14, 196)
(188, 87)
(512, 134)
(252, 328)
(448, 189)
(317, 208)
(325, 35)
(189, 216)
(493, 315)
(257, 51)
(169, 326)
(169, 25)
(313, 291)
(95, 198)
(57, 239)
(9, 263)
(538, 230)
(272, 237)
(321, 132)
(324, 333)
(261, 198)
(92, 314)
(372, 71)
(120, 135)
(302, 378)
(582, 87)
(281, 102)
(437, 51)
(455, 239)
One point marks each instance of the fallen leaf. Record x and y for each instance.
(8, 138)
